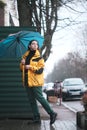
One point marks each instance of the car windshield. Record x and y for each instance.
(73, 82)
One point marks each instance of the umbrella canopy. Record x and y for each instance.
(15, 45)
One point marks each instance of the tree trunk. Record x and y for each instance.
(24, 13)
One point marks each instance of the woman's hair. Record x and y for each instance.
(31, 42)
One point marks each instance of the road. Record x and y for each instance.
(74, 105)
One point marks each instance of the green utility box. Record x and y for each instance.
(14, 102)
(5, 31)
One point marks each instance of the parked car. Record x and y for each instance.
(48, 89)
(52, 89)
(44, 87)
(86, 86)
(48, 86)
(72, 87)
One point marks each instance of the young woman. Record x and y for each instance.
(34, 79)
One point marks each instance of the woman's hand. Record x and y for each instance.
(23, 61)
(27, 67)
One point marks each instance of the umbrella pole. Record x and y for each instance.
(23, 76)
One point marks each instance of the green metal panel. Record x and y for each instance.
(5, 31)
(14, 102)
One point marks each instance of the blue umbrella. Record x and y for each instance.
(15, 45)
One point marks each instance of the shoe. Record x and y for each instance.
(53, 118)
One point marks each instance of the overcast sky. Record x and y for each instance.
(65, 40)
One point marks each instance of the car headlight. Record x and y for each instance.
(64, 90)
(84, 89)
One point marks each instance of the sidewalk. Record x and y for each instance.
(66, 120)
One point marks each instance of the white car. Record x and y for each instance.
(72, 87)
(48, 86)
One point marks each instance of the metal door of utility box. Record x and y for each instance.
(14, 102)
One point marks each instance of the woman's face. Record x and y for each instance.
(33, 45)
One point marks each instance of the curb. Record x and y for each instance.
(71, 109)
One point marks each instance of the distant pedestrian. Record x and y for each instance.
(33, 70)
(57, 87)
(58, 90)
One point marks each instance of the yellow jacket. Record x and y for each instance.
(35, 73)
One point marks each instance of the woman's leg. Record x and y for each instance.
(39, 96)
(33, 103)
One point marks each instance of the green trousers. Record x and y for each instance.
(35, 93)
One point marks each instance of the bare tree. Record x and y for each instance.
(25, 12)
(83, 47)
(71, 66)
(44, 16)
(13, 14)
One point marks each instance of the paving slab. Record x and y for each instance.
(66, 120)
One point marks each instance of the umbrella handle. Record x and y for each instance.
(23, 75)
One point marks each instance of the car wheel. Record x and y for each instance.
(63, 99)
